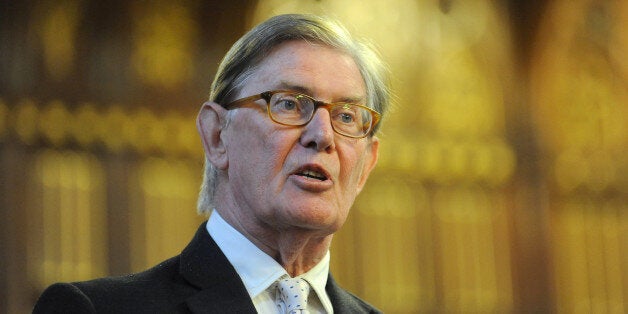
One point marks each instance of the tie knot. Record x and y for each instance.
(292, 295)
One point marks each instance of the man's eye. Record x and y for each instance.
(346, 118)
(287, 104)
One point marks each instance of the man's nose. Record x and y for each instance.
(318, 133)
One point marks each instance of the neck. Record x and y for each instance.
(298, 250)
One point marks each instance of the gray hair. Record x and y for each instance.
(248, 52)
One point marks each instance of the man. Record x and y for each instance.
(289, 142)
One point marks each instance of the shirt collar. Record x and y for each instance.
(257, 269)
(317, 278)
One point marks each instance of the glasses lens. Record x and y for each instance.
(291, 108)
(297, 109)
(351, 120)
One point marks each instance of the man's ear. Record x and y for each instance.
(210, 126)
(372, 153)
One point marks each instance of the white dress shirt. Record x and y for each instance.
(259, 271)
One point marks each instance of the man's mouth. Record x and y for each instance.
(312, 177)
(313, 174)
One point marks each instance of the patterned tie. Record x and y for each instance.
(292, 295)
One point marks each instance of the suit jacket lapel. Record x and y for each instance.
(205, 266)
(336, 295)
(343, 301)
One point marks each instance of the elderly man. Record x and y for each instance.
(289, 143)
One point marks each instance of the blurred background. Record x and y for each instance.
(502, 185)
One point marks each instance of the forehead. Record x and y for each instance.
(323, 72)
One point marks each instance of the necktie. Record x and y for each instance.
(292, 295)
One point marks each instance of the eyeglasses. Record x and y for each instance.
(296, 109)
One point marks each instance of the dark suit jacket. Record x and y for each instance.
(200, 280)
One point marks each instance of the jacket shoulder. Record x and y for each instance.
(155, 290)
(63, 298)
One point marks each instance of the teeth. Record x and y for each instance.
(313, 174)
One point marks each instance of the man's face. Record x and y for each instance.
(270, 166)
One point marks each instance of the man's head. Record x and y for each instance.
(266, 165)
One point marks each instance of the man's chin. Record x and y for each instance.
(324, 220)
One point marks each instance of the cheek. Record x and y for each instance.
(351, 166)
(244, 145)
(352, 157)
(259, 146)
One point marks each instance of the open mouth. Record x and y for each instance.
(313, 174)
(312, 177)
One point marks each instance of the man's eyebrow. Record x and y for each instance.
(293, 87)
(304, 90)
